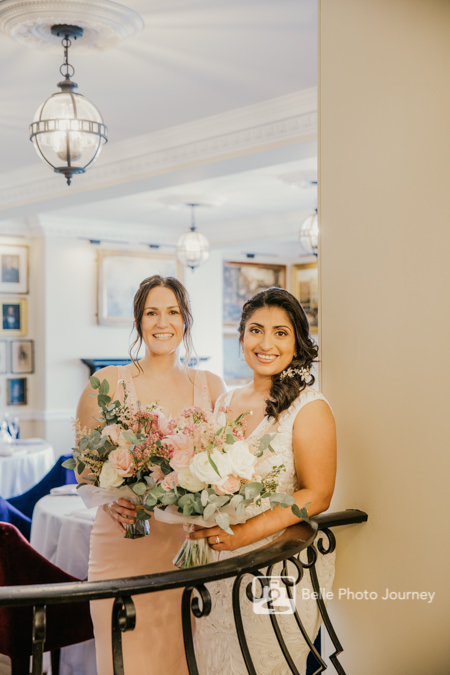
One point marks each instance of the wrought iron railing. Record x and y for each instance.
(258, 562)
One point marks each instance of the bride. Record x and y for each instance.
(274, 335)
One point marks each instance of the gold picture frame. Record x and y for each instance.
(242, 280)
(13, 269)
(119, 276)
(305, 287)
(13, 316)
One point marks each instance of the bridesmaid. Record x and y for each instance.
(162, 319)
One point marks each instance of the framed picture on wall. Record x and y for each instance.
(16, 391)
(235, 369)
(13, 316)
(13, 269)
(119, 276)
(305, 287)
(3, 357)
(22, 356)
(241, 280)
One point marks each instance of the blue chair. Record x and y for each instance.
(57, 476)
(9, 514)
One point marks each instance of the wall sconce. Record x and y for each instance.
(68, 131)
(192, 247)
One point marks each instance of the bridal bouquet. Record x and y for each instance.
(125, 454)
(215, 475)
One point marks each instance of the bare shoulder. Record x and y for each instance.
(216, 386)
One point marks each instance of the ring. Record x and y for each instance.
(217, 539)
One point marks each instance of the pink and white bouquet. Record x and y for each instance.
(216, 474)
(124, 455)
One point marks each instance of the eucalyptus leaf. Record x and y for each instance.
(204, 497)
(95, 382)
(69, 463)
(223, 521)
(169, 498)
(150, 481)
(104, 387)
(209, 510)
(139, 488)
(130, 437)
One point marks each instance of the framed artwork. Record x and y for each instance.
(242, 280)
(13, 316)
(305, 287)
(235, 369)
(16, 391)
(119, 276)
(13, 269)
(3, 357)
(22, 356)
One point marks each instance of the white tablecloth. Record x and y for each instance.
(60, 531)
(23, 464)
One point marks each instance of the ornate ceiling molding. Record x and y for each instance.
(284, 121)
(105, 24)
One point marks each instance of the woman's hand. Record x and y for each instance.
(122, 512)
(219, 540)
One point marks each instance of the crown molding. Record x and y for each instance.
(286, 120)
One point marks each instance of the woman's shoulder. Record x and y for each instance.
(307, 396)
(214, 383)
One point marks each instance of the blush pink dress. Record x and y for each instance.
(155, 646)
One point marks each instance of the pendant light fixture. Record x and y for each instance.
(68, 131)
(192, 247)
(309, 234)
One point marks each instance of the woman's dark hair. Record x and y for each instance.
(285, 389)
(139, 305)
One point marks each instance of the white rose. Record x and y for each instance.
(241, 459)
(190, 482)
(109, 476)
(202, 468)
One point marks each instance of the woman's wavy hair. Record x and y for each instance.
(140, 299)
(284, 390)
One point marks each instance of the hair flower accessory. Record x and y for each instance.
(303, 373)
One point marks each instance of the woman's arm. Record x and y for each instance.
(314, 445)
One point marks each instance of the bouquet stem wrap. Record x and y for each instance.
(193, 552)
(96, 496)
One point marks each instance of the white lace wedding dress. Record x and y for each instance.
(217, 646)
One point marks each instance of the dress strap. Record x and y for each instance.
(202, 397)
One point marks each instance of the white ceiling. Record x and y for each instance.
(200, 75)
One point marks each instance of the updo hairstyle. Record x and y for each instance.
(140, 299)
(285, 389)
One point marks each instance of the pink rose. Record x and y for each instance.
(163, 423)
(169, 480)
(181, 458)
(230, 485)
(180, 442)
(113, 431)
(122, 461)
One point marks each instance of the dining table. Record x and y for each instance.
(60, 531)
(23, 462)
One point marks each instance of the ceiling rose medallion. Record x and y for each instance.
(105, 24)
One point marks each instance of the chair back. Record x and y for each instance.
(58, 475)
(20, 564)
(10, 514)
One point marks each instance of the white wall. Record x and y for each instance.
(385, 276)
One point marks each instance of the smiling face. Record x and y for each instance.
(268, 342)
(162, 324)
